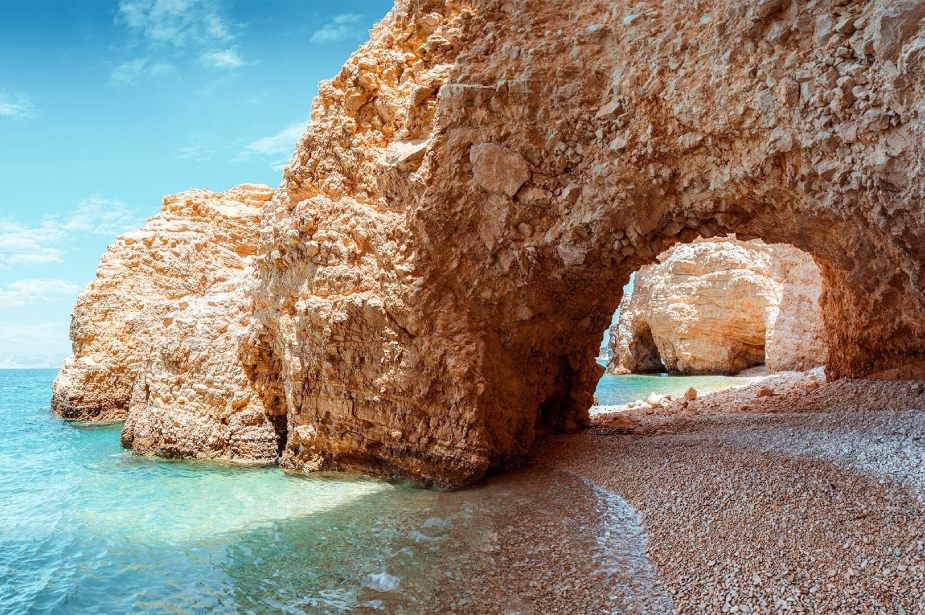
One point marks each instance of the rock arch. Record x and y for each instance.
(433, 275)
(440, 260)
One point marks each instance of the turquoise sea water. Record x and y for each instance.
(86, 527)
(618, 390)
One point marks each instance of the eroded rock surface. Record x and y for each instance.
(414, 317)
(426, 322)
(718, 307)
(157, 334)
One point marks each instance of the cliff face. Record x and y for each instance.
(795, 336)
(435, 269)
(156, 335)
(442, 254)
(718, 307)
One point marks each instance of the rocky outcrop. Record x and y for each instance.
(795, 338)
(427, 321)
(718, 307)
(157, 334)
(436, 267)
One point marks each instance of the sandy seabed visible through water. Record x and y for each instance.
(813, 512)
(86, 527)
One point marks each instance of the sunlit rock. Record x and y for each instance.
(157, 334)
(406, 321)
(718, 307)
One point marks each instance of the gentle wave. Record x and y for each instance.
(86, 527)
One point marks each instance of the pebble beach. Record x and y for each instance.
(805, 500)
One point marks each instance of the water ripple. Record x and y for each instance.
(88, 528)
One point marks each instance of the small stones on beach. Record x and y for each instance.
(690, 394)
(794, 512)
(765, 391)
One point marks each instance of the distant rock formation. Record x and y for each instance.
(157, 334)
(718, 307)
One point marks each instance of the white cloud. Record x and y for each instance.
(22, 292)
(178, 23)
(340, 28)
(226, 58)
(127, 72)
(276, 145)
(47, 346)
(22, 244)
(99, 216)
(282, 142)
(16, 106)
(175, 31)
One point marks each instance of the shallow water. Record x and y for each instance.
(617, 390)
(86, 527)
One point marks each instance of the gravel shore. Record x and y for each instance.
(807, 499)
(782, 506)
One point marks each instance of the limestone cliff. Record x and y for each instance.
(795, 338)
(718, 307)
(442, 254)
(436, 267)
(156, 335)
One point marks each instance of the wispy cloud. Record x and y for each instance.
(279, 146)
(197, 152)
(22, 292)
(175, 31)
(283, 142)
(127, 72)
(225, 58)
(340, 28)
(20, 244)
(99, 216)
(16, 106)
(177, 23)
(23, 244)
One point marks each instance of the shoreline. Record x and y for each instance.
(781, 506)
(780, 393)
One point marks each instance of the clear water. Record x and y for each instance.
(618, 390)
(87, 528)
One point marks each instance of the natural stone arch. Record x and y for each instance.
(441, 258)
(434, 273)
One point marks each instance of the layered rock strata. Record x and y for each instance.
(157, 334)
(718, 307)
(436, 268)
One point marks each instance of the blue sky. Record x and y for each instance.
(107, 106)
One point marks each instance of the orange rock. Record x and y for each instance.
(417, 322)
